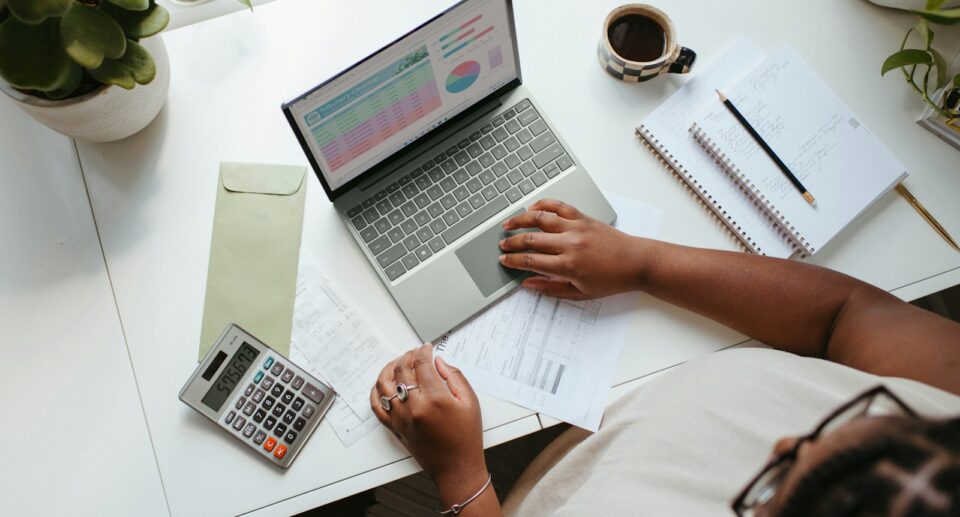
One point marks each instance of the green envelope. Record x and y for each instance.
(254, 253)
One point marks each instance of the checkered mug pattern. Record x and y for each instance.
(638, 29)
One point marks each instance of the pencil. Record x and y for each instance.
(776, 159)
(902, 190)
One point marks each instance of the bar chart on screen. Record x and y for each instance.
(361, 118)
(465, 38)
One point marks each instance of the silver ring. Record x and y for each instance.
(403, 391)
(385, 402)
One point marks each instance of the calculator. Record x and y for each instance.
(258, 396)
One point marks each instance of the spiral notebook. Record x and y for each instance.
(842, 164)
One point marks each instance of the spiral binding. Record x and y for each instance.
(706, 200)
(784, 227)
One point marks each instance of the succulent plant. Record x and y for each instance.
(64, 48)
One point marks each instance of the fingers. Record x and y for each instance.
(378, 410)
(534, 241)
(403, 370)
(558, 207)
(546, 221)
(550, 265)
(386, 384)
(457, 383)
(556, 287)
(427, 377)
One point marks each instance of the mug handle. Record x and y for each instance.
(684, 61)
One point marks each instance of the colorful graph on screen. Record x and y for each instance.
(376, 109)
(464, 75)
(463, 36)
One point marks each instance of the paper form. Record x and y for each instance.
(333, 342)
(553, 356)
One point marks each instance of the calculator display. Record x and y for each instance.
(235, 370)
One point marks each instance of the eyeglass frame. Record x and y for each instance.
(791, 455)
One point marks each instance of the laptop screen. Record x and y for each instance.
(387, 102)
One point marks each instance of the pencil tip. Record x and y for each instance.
(723, 97)
(809, 197)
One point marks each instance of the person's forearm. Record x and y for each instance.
(461, 484)
(790, 305)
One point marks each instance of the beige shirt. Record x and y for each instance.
(687, 442)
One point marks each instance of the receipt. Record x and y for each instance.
(332, 341)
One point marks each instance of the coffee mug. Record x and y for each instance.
(639, 42)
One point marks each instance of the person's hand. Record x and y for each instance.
(576, 256)
(439, 424)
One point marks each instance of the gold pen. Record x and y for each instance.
(926, 215)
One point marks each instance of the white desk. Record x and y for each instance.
(153, 197)
(73, 437)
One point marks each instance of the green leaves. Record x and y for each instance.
(135, 67)
(33, 12)
(31, 57)
(140, 24)
(905, 57)
(945, 17)
(89, 36)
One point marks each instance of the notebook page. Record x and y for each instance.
(822, 142)
(670, 124)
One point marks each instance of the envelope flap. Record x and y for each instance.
(281, 180)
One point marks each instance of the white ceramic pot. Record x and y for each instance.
(109, 113)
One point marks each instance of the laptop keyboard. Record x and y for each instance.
(458, 189)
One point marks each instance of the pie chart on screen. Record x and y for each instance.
(463, 76)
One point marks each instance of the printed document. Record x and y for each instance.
(556, 357)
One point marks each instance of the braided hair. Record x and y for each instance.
(908, 473)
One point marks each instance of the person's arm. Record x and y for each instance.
(790, 305)
(440, 425)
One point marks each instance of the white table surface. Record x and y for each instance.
(73, 435)
(153, 197)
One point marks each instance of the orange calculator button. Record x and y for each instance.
(281, 450)
(270, 444)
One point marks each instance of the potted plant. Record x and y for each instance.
(92, 69)
(925, 70)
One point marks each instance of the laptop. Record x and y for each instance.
(426, 146)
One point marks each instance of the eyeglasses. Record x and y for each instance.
(760, 490)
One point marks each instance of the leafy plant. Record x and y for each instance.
(927, 60)
(62, 48)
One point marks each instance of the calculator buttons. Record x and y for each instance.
(258, 395)
(257, 377)
(238, 423)
(249, 391)
(280, 452)
(290, 437)
(259, 416)
(269, 423)
(240, 402)
(297, 404)
(230, 417)
(268, 403)
(266, 382)
(287, 376)
(313, 393)
(307, 411)
(249, 408)
(267, 363)
(287, 397)
(278, 410)
(277, 368)
(250, 429)
(288, 417)
(280, 430)
(259, 437)
(297, 382)
(298, 425)
(270, 444)
(277, 390)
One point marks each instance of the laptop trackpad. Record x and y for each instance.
(481, 255)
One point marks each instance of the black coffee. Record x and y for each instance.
(636, 37)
